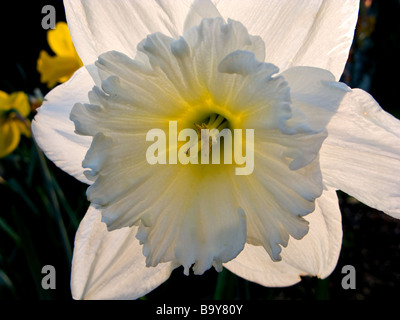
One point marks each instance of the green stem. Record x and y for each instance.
(54, 205)
(65, 204)
(226, 286)
(322, 290)
(31, 255)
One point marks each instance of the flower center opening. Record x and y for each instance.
(219, 141)
(213, 134)
(208, 132)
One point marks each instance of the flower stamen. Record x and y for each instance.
(207, 133)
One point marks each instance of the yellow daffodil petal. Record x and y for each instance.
(20, 102)
(60, 41)
(14, 108)
(58, 68)
(24, 127)
(9, 137)
(55, 69)
(17, 101)
(4, 105)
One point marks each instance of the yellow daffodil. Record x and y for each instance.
(271, 67)
(14, 109)
(58, 68)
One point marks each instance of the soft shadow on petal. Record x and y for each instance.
(55, 132)
(101, 25)
(361, 155)
(299, 33)
(110, 265)
(316, 254)
(315, 95)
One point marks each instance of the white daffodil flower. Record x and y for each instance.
(269, 66)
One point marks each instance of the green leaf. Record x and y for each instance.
(8, 230)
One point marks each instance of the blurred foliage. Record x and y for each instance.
(41, 206)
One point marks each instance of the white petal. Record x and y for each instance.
(110, 265)
(361, 155)
(315, 94)
(199, 10)
(314, 33)
(98, 26)
(55, 132)
(316, 254)
(212, 41)
(276, 199)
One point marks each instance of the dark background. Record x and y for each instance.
(30, 230)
